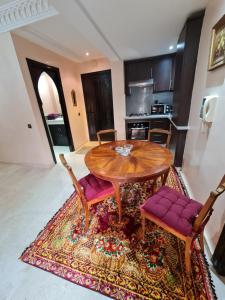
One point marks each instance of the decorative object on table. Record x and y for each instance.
(114, 261)
(217, 50)
(74, 98)
(184, 217)
(106, 133)
(124, 150)
(90, 189)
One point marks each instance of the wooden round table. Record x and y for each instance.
(146, 161)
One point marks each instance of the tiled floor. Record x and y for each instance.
(60, 149)
(29, 198)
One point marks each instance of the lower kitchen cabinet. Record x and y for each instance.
(159, 138)
(137, 129)
(58, 134)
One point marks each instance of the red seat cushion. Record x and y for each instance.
(94, 187)
(174, 209)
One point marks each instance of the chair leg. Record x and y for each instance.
(202, 240)
(143, 227)
(188, 255)
(86, 218)
(154, 186)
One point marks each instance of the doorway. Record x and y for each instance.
(49, 93)
(97, 88)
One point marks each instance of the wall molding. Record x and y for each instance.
(19, 13)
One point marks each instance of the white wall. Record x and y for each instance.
(70, 80)
(204, 156)
(18, 143)
(18, 106)
(118, 98)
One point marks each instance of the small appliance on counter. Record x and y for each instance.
(161, 109)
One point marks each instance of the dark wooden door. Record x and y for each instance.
(36, 69)
(97, 88)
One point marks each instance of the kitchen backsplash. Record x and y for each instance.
(141, 99)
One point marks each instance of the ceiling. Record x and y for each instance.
(117, 29)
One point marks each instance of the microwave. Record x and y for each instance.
(161, 109)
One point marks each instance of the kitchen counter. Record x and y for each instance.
(168, 116)
(150, 117)
(57, 121)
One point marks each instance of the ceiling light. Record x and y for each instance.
(171, 47)
(181, 45)
(87, 53)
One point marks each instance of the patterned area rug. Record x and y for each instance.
(112, 259)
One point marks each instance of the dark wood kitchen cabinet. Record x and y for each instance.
(160, 68)
(58, 134)
(137, 70)
(186, 58)
(163, 73)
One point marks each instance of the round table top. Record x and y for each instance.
(145, 160)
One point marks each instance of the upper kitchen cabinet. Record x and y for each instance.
(163, 73)
(158, 68)
(137, 70)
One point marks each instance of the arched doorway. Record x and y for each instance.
(48, 89)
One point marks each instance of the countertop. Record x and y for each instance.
(168, 116)
(57, 121)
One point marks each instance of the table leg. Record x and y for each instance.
(165, 175)
(116, 186)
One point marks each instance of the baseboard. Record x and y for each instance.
(43, 166)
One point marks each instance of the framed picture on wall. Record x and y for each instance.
(217, 50)
(74, 98)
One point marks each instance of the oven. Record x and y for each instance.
(137, 130)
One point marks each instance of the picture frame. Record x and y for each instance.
(217, 48)
(74, 98)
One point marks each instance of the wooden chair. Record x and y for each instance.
(168, 134)
(99, 133)
(90, 189)
(160, 131)
(187, 222)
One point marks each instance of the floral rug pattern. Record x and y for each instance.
(111, 258)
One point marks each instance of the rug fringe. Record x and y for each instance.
(213, 288)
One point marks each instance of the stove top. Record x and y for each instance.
(140, 115)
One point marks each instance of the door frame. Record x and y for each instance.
(36, 69)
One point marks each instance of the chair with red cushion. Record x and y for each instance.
(180, 215)
(90, 189)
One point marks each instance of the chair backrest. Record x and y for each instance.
(160, 131)
(75, 182)
(207, 208)
(99, 133)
